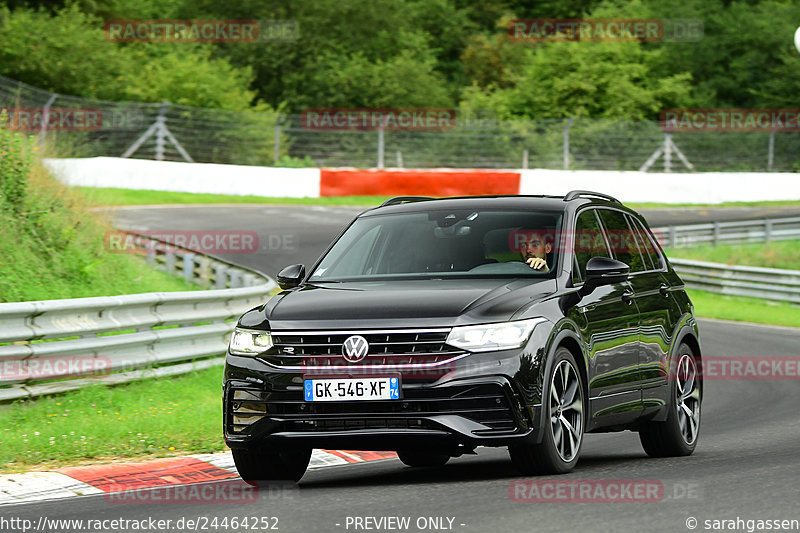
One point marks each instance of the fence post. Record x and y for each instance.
(277, 139)
(380, 145)
(161, 130)
(565, 155)
(45, 117)
(771, 154)
(667, 153)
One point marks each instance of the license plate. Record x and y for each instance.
(351, 389)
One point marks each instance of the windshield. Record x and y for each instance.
(444, 243)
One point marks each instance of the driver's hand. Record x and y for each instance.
(538, 263)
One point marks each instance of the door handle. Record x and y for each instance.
(664, 290)
(627, 296)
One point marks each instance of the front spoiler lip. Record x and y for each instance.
(378, 439)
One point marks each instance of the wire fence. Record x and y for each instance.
(85, 127)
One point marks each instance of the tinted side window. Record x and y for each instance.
(621, 239)
(649, 247)
(588, 242)
(640, 242)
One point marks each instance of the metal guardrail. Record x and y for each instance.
(55, 345)
(732, 232)
(766, 283)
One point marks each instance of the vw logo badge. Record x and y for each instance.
(355, 348)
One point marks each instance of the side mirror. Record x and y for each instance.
(603, 271)
(291, 276)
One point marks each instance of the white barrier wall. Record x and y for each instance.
(705, 187)
(240, 180)
(701, 187)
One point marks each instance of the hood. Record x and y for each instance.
(424, 303)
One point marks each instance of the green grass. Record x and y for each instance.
(742, 309)
(776, 254)
(151, 418)
(108, 196)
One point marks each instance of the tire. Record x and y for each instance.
(563, 409)
(677, 435)
(267, 463)
(419, 458)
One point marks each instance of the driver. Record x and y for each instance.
(533, 248)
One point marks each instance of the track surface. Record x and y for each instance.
(746, 464)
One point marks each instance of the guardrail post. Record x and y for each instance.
(188, 267)
(673, 236)
(236, 279)
(767, 230)
(169, 262)
(220, 276)
(715, 238)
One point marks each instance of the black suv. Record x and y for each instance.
(428, 328)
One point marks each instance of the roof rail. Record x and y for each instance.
(571, 195)
(403, 199)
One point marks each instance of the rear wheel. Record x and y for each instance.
(678, 434)
(268, 463)
(422, 458)
(562, 408)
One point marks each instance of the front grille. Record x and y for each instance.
(386, 348)
(486, 404)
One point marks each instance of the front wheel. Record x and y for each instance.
(267, 463)
(563, 410)
(677, 436)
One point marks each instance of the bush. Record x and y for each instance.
(16, 160)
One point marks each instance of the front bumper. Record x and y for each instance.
(470, 405)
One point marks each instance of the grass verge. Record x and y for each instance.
(108, 196)
(51, 246)
(150, 418)
(777, 254)
(742, 309)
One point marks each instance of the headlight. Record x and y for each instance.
(250, 342)
(491, 337)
